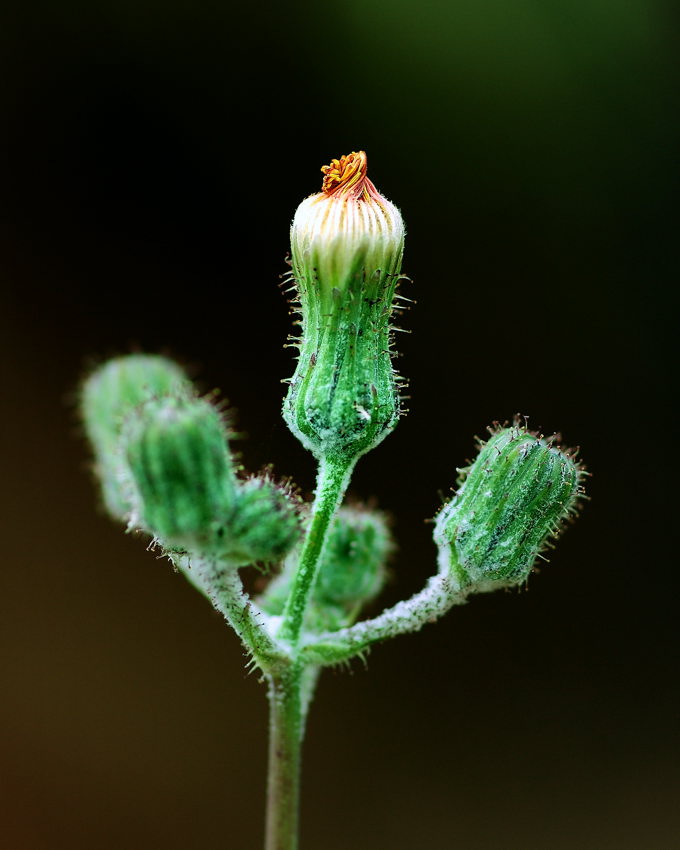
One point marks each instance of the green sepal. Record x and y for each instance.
(344, 397)
(511, 500)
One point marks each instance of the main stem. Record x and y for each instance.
(290, 687)
(285, 740)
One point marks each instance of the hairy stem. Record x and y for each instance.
(292, 686)
(332, 482)
(435, 599)
(285, 739)
(224, 588)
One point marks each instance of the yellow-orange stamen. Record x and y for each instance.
(346, 178)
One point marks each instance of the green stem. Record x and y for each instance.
(332, 482)
(285, 739)
(440, 594)
(291, 688)
(224, 589)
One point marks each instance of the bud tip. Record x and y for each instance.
(346, 178)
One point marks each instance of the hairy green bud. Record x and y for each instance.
(353, 566)
(346, 244)
(351, 573)
(178, 457)
(265, 524)
(511, 500)
(108, 396)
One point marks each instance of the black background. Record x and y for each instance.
(153, 156)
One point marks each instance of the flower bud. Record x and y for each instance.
(346, 243)
(107, 397)
(353, 566)
(511, 500)
(265, 524)
(352, 571)
(179, 461)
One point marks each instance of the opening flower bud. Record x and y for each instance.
(512, 499)
(347, 243)
(108, 396)
(179, 461)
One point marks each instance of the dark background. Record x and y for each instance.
(153, 156)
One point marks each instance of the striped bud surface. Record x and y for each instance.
(109, 395)
(179, 460)
(512, 499)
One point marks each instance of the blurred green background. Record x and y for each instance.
(153, 156)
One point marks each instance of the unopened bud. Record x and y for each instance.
(353, 566)
(513, 498)
(265, 524)
(108, 396)
(180, 464)
(351, 573)
(347, 244)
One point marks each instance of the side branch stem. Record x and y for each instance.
(434, 600)
(225, 590)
